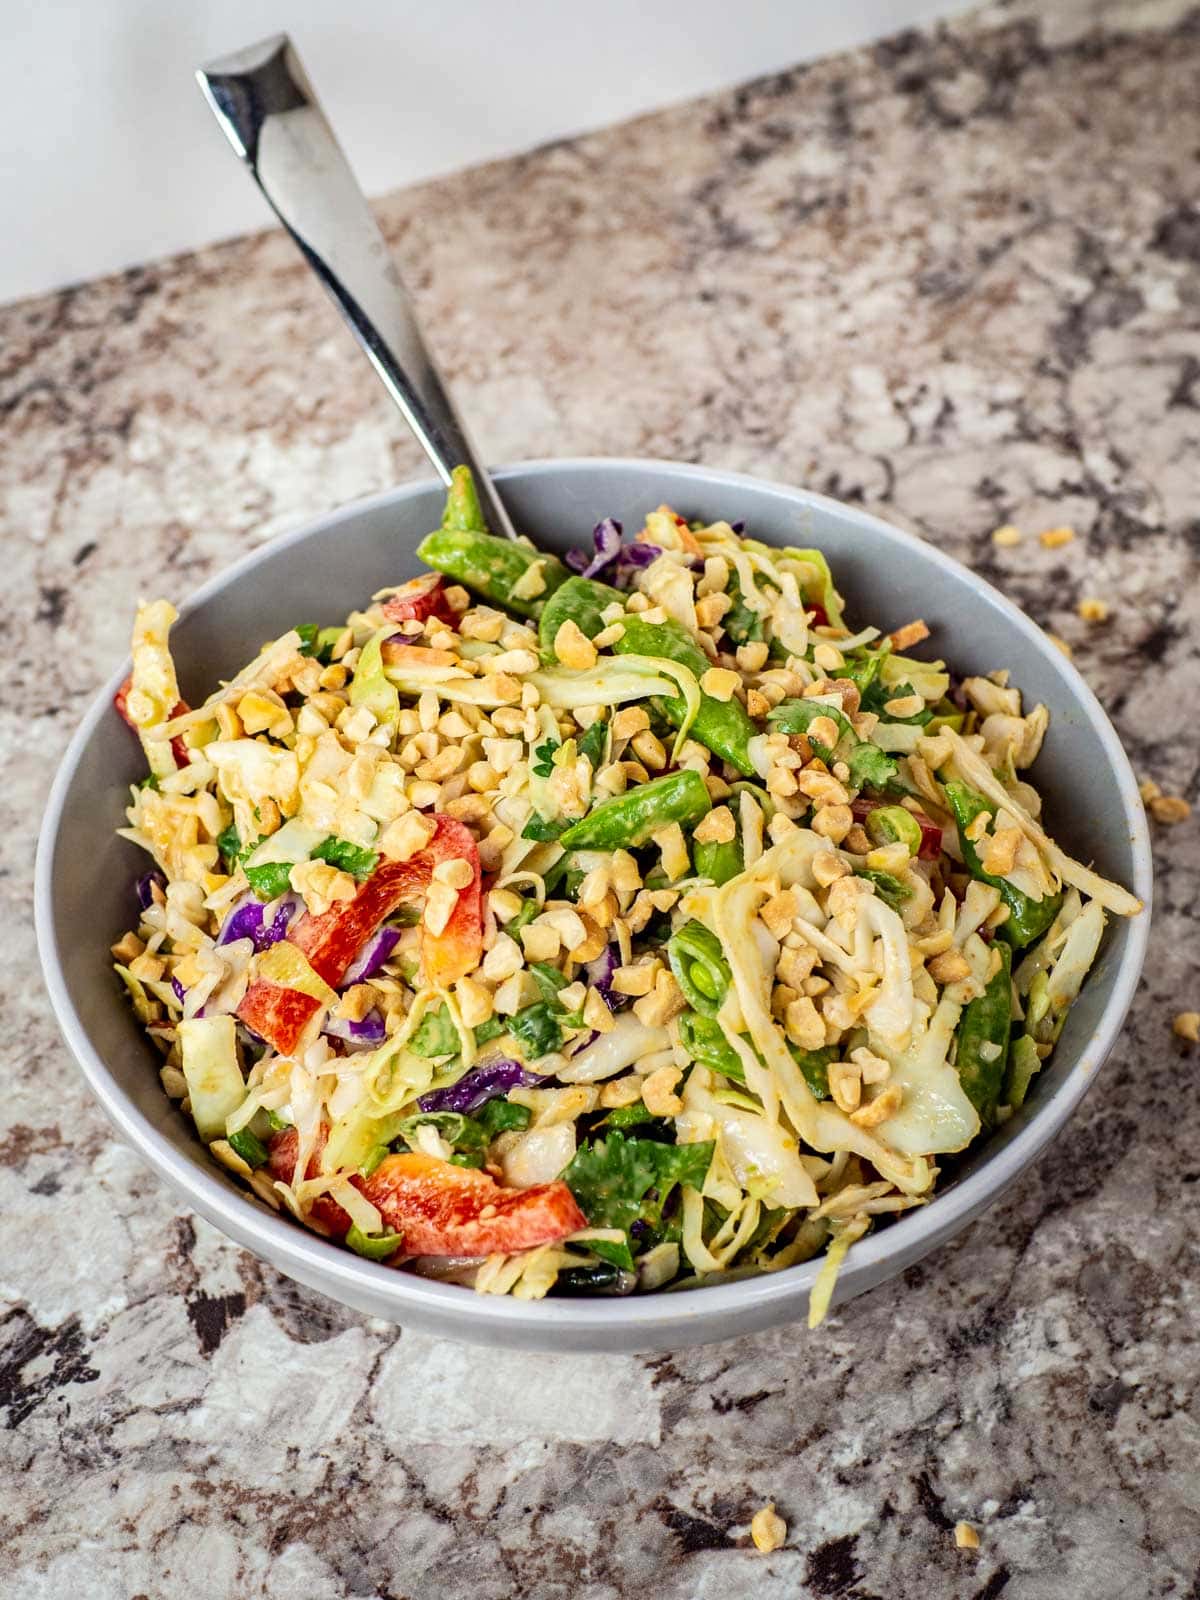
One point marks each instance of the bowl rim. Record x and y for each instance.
(313, 1259)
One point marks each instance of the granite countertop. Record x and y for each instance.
(952, 278)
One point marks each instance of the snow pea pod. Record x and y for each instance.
(704, 1040)
(498, 569)
(579, 600)
(983, 1039)
(700, 967)
(1027, 919)
(1023, 1063)
(720, 862)
(629, 820)
(722, 726)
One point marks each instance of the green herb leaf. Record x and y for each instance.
(543, 766)
(308, 632)
(461, 1133)
(740, 623)
(890, 889)
(593, 742)
(544, 830)
(502, 1116)
(355, 859)
(537, 1029)
(151, 781)
(619, 1181)
(491, 1029)
(270, 880)
(871, 767)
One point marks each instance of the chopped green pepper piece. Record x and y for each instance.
(249, 1146)
(375, 1246)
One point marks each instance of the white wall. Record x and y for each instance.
(111, 157)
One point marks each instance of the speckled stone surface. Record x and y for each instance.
(953, 278)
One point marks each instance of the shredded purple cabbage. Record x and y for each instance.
(480, 1085)
(179, 991)
(738, 527)
(600, 974)
(364, 1035)
(246, 920)
(142, 888)
(372, 955)
(606, 539)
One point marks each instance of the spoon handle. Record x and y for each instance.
(263, 100)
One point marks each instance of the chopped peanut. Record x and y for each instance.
(779, 913)
(950, 967)
(456, 872)
(503, 959)
(1092, 610)
(883, 1106)
(573, 648)
(637, 979)
(406, 836)
(658, 1093)
(541, 941)
(1169, 809)
(752, 656)
(833, 822)
(1007, 536)
(321, 885)
(845, 1082)
(904, 638)
(718, 827)
(768, 1529)
(1187, 1026)
(616, 1092)
(666, 1001)
(1055, 538)
(1001, 855)
(719, 683)
(965, 1536)
(474, 1001)
(803, 1024)
(648, 748)
(628, 722)
(674, 852)
(439, 907)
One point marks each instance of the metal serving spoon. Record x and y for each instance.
(263, 100)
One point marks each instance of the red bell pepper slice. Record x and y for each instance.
(818, 617)
(931, 834)
(444, 1210)
(332, 940)
(277, 1014)
(419, 599)
(178, 749)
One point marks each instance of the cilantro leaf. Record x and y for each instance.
(796, 716)
(878, 694)
(593, 742)
(543, 830)
(537, 1030)
(619, 1181)
(355, 859)
(889, 888)
(308, 638)
(271, 879)
(543, 766)
(740, 623)
(871, 767)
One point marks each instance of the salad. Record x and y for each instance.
(618, 924)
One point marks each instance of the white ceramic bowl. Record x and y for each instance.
(321, 572)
